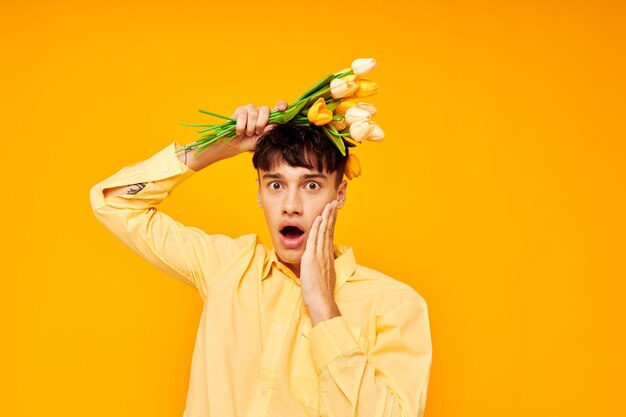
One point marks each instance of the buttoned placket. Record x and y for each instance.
(286, 309)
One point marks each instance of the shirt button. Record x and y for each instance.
(279, 328)
(165, 168)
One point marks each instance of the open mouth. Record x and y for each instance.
(291, 232)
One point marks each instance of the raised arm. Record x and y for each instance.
(251, 122)
(125, 203)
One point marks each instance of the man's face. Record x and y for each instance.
(291, 198)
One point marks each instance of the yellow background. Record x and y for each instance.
(498, 193)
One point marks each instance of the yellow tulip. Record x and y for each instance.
(352, 168)
(344, 105)
(318, 114)
(366, 88)
(362, 66)
(343, 87)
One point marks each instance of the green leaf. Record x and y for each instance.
(332, 105)
(290, 113)
(343, 74)
(195, 124)
(217, 115)
(217, 127)
(335, 139)
(321, 93)
(317, 86)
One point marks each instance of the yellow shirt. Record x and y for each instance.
(256, 354)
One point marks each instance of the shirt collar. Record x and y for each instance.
(345, 265)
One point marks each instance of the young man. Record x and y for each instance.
(298, 330)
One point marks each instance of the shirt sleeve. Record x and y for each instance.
(186, 253)
(391, 380)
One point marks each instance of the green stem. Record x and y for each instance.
(343, 74)
(217, 115)
(226, 132)
(195, 124)
(324, 92)
(231, 137)
(215, 127)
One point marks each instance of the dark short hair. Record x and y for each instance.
(298, 146)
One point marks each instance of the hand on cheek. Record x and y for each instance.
(317, 266)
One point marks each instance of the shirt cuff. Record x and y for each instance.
(165, 164)
(331, 339)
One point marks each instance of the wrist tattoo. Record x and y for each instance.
(135, 188)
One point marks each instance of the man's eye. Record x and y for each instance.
(312, 186)
(274, 186)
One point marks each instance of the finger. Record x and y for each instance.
(261, 121)
(253, 113)
(269, 127)
(242, 118)
(331, 228)
(321, 235)
(281, 106)
(312, 238)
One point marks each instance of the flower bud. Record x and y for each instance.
(360, 130)
(369, 107)
(318, 114)
(344, 105)
(354, 114)
(339, 125)
(366, 88)
(362, 66)
(377, 133)
(343, 87)
(352, 168)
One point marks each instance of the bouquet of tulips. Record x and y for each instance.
(334, 103)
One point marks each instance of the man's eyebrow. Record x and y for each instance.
(272, 176)
(305, 176)
(317, 175)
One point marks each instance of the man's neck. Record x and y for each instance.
(295, 268)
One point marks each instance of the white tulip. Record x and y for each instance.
(343, 87)
(360, 130)
(368, 107)
(362, 66)
(355, 114)
(377, 133)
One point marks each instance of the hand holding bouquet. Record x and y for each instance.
(334, 103)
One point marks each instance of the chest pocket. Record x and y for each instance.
(304, 378)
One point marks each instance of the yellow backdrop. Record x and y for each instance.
(498, 193)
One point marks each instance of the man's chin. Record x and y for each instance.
(289, 256)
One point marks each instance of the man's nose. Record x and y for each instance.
(292, 204)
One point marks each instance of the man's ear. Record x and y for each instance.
(258, 193)
(341, 194)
